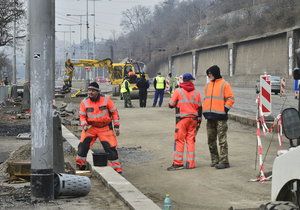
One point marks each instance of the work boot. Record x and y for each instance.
(81, 168)
(222, 166)
(175, 167)
(213, 164)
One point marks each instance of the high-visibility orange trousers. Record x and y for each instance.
(185, 134)
(108, 141)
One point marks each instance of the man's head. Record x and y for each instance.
(93, 91)
(170, 74)
(213, 73)
(158, 73)
(187, 77)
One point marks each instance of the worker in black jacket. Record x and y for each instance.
(143, 85)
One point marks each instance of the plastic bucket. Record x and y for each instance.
(71, 185)
(100, 159)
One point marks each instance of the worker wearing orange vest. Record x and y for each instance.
(187, 101)
(217, 102)
(99, 118)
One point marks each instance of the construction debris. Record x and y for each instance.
(24, 136)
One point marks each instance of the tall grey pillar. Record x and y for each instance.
(41, 62)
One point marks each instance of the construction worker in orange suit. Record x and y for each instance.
(99, 118)
(187, 101)
(218, 100)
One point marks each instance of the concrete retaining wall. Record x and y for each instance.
(269, 54)
(217, 56)
(182, 64)
(3, 93)
(243, 61)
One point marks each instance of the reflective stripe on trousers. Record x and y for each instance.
(185, 134)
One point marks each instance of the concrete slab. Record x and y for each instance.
(117, 183)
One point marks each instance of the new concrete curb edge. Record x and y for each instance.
(128, 193)
(246, 120)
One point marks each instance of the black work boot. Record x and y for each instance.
(222, 166)
(213, 164)
(80, 167)
(175, 167)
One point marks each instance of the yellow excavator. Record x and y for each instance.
(116, 71)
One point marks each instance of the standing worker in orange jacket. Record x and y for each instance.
(99, 118)
(187, 101)
(218, 101)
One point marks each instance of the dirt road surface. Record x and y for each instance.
(146, 146)
(149, 132)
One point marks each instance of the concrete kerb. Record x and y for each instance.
(122, 188)
(246, 120)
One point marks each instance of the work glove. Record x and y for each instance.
(117, 131)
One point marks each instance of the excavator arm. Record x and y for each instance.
(105, 63)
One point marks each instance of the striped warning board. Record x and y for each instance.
(282, 87)
(265, 94)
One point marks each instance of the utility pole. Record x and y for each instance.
(64, 32)
(94, 36)
(70, 38)
(42, 35)
(14, 76)
(87, 80)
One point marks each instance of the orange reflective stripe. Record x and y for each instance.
(186, 100)
(93, 116)
(187, 114)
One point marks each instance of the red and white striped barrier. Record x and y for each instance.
(282, 87)
(265, 94)
(261, 124)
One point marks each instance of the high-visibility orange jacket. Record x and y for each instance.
(100, 113)
(188, 103)
(218, 100)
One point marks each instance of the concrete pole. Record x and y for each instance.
(70, 41)
(41, 46)
(87, 79)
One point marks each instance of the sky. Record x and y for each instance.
(108, 18)
(108, 15)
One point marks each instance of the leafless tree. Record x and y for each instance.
(134, 18)
(10, 10)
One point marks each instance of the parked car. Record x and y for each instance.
(275, 85)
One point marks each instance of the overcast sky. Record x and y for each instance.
(108, 16)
